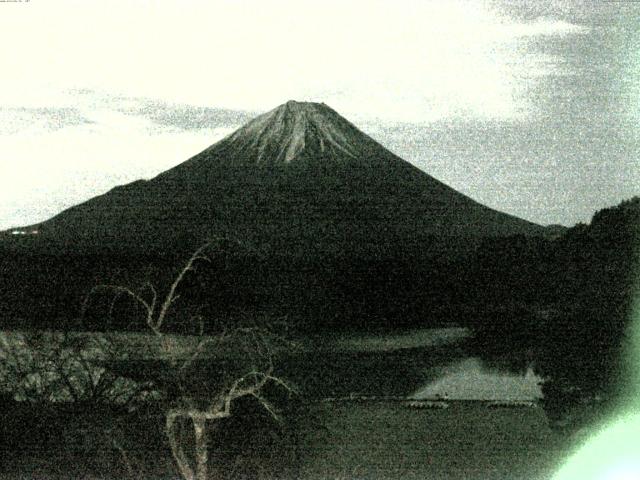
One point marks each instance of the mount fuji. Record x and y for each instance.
(299, 178)
(329, 229)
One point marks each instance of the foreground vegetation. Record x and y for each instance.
(567, 306)
(346, 440)
(214, 398)
(45, 369)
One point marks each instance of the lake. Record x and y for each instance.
(420, 364)
(378, 438)
(471, 379)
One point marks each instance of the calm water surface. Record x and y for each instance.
(421, 364)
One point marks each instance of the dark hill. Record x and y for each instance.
(569, 307)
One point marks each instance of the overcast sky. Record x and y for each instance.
(529, 107)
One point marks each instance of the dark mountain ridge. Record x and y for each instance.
(299, 177)
(334, 231)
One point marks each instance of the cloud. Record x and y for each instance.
(161, 114)
(542, 27)
(16, 119)
(414, 60)
(183, 116)
(74, 107)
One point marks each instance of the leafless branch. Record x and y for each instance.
(171, 296)
(197, 351)
(120, 290)
(256, 344)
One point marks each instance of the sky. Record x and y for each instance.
(528, 107)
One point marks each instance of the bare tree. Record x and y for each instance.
(257, 342)
(54, 367)
(155, 317)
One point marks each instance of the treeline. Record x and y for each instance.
(565, 305)
(313, 293)
(563, 302)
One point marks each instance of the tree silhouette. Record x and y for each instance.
(182, 373)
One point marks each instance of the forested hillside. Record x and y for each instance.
(566, 304)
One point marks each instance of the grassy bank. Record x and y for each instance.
(335, 440)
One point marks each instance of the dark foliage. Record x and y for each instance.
(316, 293)
(75, 441)
(566, 305)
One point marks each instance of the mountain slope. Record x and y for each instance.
(299, 178)
(336, 232)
